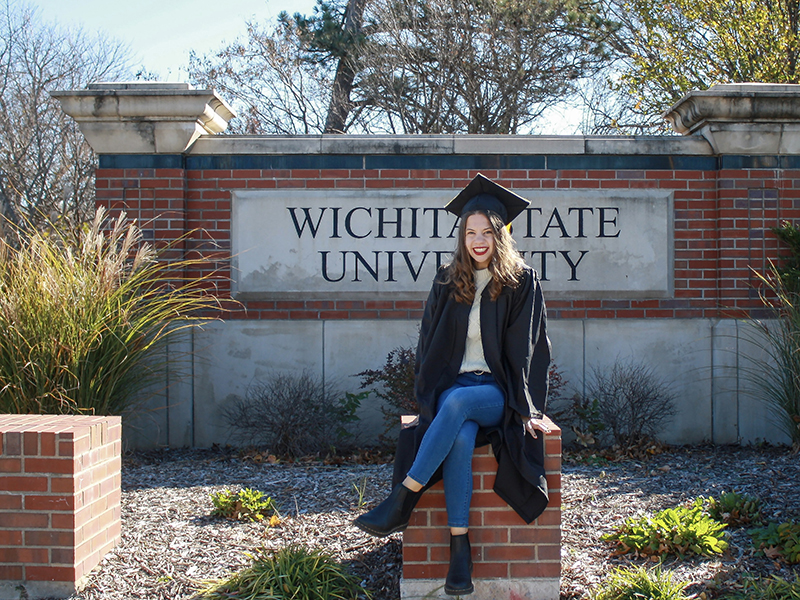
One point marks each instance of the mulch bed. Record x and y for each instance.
(170, 544)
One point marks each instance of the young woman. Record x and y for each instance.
(481, 376)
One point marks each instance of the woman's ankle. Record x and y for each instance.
(412, 485)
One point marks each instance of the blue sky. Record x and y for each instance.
(162, 32)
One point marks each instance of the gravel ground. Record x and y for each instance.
(170, 544)
(597, 499)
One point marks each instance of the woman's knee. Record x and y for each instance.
(455, 402)
(462, 403)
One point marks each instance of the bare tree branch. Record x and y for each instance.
(266, 76)
(48, 165)
(409, 66)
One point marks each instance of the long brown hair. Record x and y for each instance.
(505, 267)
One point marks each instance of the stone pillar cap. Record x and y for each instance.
(144, 117)
(742, 118)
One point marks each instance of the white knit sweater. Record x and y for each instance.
(473, 354)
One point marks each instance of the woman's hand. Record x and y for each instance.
(533, 425)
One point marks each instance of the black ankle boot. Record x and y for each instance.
(459, 577)
(390, 515)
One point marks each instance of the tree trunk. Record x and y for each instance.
(8, 216)
(340, 104)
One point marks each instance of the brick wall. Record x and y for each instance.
(59, 499)
(723, 210)
(507, 553)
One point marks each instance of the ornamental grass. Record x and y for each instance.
(85, 318)
(771, 588)
(775, 375)
(291, 573)
(640, 583)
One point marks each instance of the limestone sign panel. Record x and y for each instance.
(346, 243)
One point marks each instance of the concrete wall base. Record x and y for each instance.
(38, 590)
(485, 589)
(697, 357)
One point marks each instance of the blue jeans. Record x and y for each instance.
(473, 401)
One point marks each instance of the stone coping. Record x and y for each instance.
(170, 118)
(165, 87)
(450, 145)
(16, 423)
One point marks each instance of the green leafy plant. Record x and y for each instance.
(733, 509)
(778, 540)
(292, 573)
(347, 409)
(774, 588)
(83, 313)
(395, 385)
(682, 531)
(245, 505)
(639, 583)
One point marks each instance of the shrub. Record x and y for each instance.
(638, 583)
(734, 509)
(292, 573)
(82, 314)
(245, 505)
(682, 531)
(632, 402)
(557, 385)
(778, 541)
(395, 382)
(582, 415)
(294, 414)
(774, 588)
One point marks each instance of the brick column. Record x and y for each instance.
(59, 501)
(511, 559)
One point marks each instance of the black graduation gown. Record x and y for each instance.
(517, 351)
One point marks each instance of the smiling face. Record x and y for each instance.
(479, 240)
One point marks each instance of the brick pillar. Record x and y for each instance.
(59, 501)
(511, 559)
(154, 197)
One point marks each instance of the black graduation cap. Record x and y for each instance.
(484, 194)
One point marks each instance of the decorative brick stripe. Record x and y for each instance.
(59, 500)
(508, 554)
